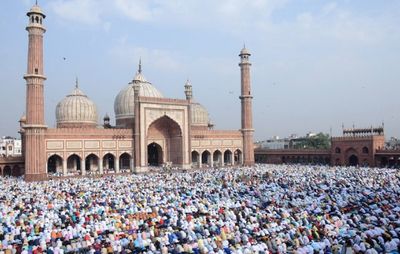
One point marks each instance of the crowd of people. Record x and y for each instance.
(262, 209)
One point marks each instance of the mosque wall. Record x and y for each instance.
(216, 140)
(83, 142)
(216, 148)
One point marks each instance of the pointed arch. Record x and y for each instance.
(238, 157)
(74, 163)
(217, 158)
(92, 162)
(7, 171)
(195, 158)
(154, 155)
(227, 157)
(352, 157)
(17, 171)
(167, 133)
(125, 161)
(206, 158)
(108, 162)
(54, 164)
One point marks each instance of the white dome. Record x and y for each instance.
(76, 110)
(199, 115)
(124, 102)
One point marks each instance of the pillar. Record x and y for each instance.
(200, 158)
(83, 167)
(116, 162)
(101, 167)
(65, 169)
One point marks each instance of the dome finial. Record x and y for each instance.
(140, 65)
(76, 83)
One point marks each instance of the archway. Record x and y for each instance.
(125, 161)
(392, 162)
(92, 162)
(384, 162)
(17, 171)
(327, 160)
(73, 163)
(195, 158)
(108, 162)
(353, 160)
(169, 133)
(228, 157)
(238, 157)
(54, 164)
(217, 157)
(7, 171)
(206, 158)
(154, 154)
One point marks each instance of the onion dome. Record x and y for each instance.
(76, 111)
(199, 115)
(124, 102)
(22, 119)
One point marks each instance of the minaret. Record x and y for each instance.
(136, 127)
(35, 128)
(189, 96)
(188, 91)
(247, 111)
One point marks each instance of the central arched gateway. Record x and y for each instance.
(154, 154)
(167, 134)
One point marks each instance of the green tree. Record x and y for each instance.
(319, 141)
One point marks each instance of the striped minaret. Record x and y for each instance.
(35, 128)
(247, 112)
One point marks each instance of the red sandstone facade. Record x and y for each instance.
(160, 132)
(356, 147)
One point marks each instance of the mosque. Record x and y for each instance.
(150, 130)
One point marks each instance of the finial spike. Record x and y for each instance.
(36, 2)
(140, 65)
(76, 83)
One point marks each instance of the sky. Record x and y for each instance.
(316, 65)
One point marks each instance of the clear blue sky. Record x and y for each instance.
(316, 64)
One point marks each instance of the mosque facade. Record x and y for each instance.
(150, 130)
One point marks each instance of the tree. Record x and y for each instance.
(319, 141)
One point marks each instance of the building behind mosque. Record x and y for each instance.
(150, 130)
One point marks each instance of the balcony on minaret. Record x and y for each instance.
(36, 30)
(244, 56)
(36, 16)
